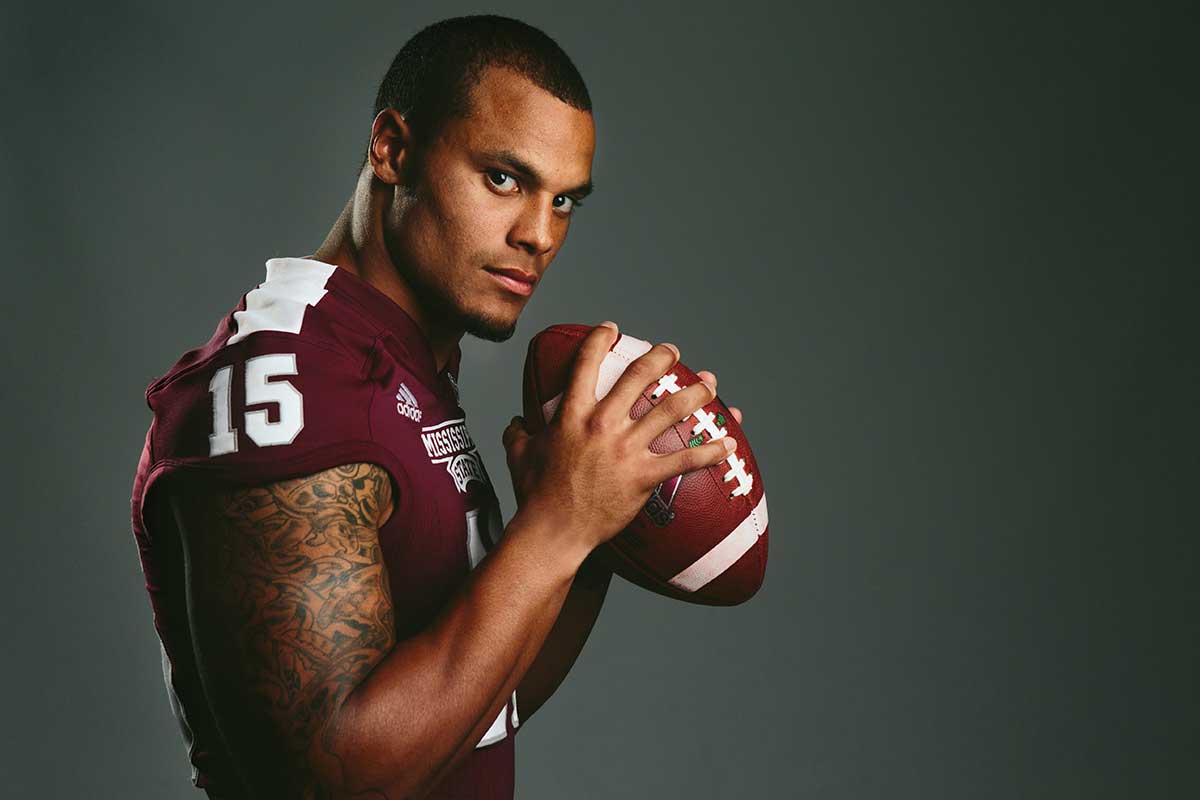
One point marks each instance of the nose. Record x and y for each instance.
(533, 229)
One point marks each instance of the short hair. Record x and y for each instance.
(430, 79)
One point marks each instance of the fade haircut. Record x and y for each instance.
(431, 78)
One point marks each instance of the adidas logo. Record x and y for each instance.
(406, 404)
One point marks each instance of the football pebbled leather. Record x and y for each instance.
(701, 537)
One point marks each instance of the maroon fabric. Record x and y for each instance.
(354, 349)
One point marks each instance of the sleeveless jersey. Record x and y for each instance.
(316, 368)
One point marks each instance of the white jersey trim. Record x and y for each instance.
(280, 302)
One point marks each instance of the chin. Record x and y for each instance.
(495, 325)
(489, 326)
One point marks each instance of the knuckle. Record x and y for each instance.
(592, 348)
(679, 406)
(595, 425)
(598, 340)
(643, 368)
(654, 363)
(583, 363)
(568, 418)
(668, 354)
(692, 398)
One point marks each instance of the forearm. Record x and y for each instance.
(428, 702)
(568, 626)
(567, 637)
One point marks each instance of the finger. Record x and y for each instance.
(690, 459)
(581, 391)
(515, 433)
(736, 413)
(672, 409)
(644, 370)
(707, 377)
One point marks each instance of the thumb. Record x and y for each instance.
(515, 436)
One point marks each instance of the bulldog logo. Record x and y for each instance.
(658, 507)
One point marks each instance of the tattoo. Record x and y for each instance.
(303, 590)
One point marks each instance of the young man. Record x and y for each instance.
(311, 511)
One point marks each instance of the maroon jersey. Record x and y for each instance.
(316, 368)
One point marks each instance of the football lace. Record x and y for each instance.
(706, 423)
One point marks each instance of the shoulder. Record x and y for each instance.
(294, 309)
(283, 388)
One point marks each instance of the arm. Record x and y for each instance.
(566, 639)
(289, 610)
(292, 625)
(292, 617)
(575, 621)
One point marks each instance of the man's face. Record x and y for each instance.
(492, 204)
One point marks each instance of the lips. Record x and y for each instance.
(515, 280)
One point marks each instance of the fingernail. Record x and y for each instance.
(609, 324)
(730, 443)
(673, 347)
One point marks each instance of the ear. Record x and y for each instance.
(392, 146)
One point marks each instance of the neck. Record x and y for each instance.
(356, 244)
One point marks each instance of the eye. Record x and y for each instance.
(501, 180)
(567, 204)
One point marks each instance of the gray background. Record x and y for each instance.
(943, 257)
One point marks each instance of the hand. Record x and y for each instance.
(592, 469)
(711, 380)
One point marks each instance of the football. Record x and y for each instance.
(702, 536)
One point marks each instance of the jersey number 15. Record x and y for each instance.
(259, 389)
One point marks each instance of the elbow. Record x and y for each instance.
(358, 765)
(399, 780)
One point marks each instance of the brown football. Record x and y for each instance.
(702, 536)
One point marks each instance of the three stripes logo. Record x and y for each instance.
(406, 404)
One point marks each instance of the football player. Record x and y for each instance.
(311, 511)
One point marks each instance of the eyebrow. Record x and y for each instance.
(521, 168)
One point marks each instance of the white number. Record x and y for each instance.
(476, 550)
(259, 389)
(223, 439)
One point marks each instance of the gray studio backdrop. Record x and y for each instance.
(939, 255)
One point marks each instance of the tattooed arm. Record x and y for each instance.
(289, 608)
(292, 624)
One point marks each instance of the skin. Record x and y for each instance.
(443, 214)
(287, 592)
